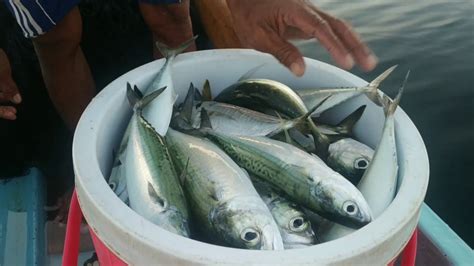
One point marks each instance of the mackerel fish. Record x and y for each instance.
(305, 178)
(221, 195)
(152, 183)
(378, 184)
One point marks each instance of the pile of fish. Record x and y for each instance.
(251, 167)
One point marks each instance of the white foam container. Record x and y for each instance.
(139, 242)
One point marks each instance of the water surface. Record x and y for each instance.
(435, 40)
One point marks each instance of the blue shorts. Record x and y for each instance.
(36, 17)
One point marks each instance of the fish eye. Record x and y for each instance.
(112, 186)
(298, 224)
(250, 235)
(361, 163)
(350, 208)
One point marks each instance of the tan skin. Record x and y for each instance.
(8, 90)
(265, 25)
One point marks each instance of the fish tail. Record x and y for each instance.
(312, 110)
(188, 104)
(137, 100)
(348, 123)
(321, 141)
(206, 91)
(168, 52)
(249, 74)
(374, 85)
(391, 106)
(205, 120)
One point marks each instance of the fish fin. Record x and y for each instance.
(287, 137)
(392, 105)
(137, 91)
(184, 174)
(376, 82)
(304, 117)
(321, 141)
(197, 95)
(155, 197)
(137, 101)
(348, 123)
(188, 104)
(205, 120)
(293, 168)
(374, 85)
(168, 52)
(206, 91)
(251, 72)
(150, 97)
(132, 96)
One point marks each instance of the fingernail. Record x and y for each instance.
(297, 68)
(349, 61)
(17, 98)
(371, 62)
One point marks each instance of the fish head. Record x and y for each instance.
(341, 202)
(350, 158)
(247, 224)
(295, 228)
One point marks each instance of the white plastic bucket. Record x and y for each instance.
(137, 241)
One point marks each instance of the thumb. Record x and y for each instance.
(286, 53)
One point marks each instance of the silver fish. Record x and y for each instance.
(221, 195)
(379, 182)
(152, 183)
(312, 97)
(275, 95)
(305, 179)
(117, 180)
(163, 106)
(235, 120)
(295, 228)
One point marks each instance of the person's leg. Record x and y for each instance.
(169, 22)
(65, 70)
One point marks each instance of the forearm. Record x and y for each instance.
(68, 80)
(65, 70)
(4, 63)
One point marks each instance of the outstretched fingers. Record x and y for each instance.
(351, 40)
(311, 23)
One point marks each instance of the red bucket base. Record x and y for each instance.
(106, 257)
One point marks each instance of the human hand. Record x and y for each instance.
(170, 24)
(8, 89)
(266, 25)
